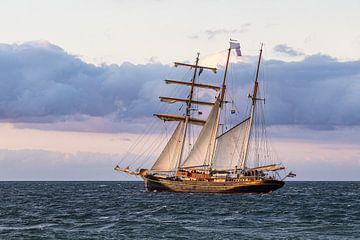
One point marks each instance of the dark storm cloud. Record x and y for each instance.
(319, 92)
(284, 49)
(40, 82)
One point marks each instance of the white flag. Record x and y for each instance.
(236, 46)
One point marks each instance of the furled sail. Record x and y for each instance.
(174, 117)
(271, 167)
(229, 148)
(170, 155)
(174, 100)
(203, 149)
(216, 88)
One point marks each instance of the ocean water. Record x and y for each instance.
(123, 210)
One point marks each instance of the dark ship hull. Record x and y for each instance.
(238, 185)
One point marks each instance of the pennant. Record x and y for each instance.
(200, 71)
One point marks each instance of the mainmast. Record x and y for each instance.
(221, 99)
(252, 114)
(223, 86)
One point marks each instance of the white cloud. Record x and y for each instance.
(212, 33)
(284, 49)
(46, 165)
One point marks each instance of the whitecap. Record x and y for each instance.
(37, 226)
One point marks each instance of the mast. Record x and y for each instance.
(188, 109)
(222, 96)
(252, 114)
(223, 87)
(186, 118)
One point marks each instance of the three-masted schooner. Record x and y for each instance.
(217, 163)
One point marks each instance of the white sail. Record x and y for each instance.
(170, 155)
(203, 149)
(230, 147)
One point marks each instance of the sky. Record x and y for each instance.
(80, 80)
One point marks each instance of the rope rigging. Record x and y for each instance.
(141, 144)
(259, 148)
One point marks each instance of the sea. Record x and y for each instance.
(123, 210)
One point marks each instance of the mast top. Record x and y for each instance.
(258, 65)
(233, 45)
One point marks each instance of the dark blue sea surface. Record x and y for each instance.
(123, 210)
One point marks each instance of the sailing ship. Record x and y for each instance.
(217, 162)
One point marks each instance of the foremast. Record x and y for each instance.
(188, 109)
(187, 119)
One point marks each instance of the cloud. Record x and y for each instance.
(311, 161)
(48, 165)
(211, 34)
(320, 161)
(318, 92)
(193, 36)
(42, 86)
(40, 82)
(284, 49)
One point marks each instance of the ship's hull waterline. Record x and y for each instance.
(155, 184)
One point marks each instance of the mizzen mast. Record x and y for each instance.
(252, 114)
